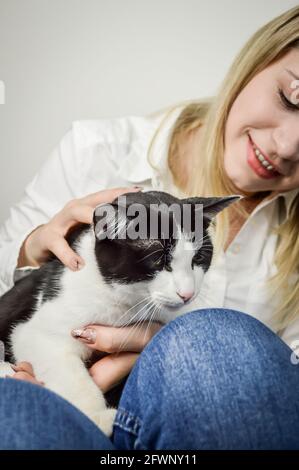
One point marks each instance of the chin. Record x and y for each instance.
(244, 183)
(241, 182)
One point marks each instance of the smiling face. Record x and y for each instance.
(262, 130)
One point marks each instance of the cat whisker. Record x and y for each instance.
(157, 262)
(127, 311)
(162, 297)
(152, 319)
(129, 321)
(150, 254)
(204, 240)
(132, 329)
(136, 314)
(159, 241)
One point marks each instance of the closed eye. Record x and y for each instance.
(150, 254)
(285, 102)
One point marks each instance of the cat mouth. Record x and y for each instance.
(171, 304)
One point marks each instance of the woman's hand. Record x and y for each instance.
(123, 345)
(24, 371)
(50, 237)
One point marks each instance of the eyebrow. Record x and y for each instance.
(292, 73)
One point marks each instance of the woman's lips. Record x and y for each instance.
(256, 165)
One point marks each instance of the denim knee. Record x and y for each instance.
(203, 376)
(32, 417)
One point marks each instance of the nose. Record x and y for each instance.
(185, 295)
(287, 142)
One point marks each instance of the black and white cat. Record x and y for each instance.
(124, 281)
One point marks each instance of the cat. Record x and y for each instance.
(123, 281)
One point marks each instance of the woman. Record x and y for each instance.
(223, 377)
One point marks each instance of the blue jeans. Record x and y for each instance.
(211, 379)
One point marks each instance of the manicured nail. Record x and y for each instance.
(76, 265)
(89, 335)
(73, 265)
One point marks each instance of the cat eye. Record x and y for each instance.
(168, 268)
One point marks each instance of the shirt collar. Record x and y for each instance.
(287, 197)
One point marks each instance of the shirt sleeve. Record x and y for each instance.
(52, 187)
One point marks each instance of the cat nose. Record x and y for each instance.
(186, 295)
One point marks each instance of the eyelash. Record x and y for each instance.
(285, 102)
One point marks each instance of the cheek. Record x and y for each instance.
(163, 282)
(246, 113)
(234, 157)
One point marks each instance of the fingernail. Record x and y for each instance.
(76, 265)
(89, 335)
(73, 264)
(80, 265)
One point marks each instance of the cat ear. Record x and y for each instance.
(213, 205)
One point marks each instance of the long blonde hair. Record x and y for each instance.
(267, 45)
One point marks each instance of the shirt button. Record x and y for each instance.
(236, 248)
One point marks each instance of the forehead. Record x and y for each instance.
(289, 62)
(291, 58)
(182, 255)
(161, 222)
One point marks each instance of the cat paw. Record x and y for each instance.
(105, 420)
(6, 370)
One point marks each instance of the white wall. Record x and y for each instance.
(63, 60)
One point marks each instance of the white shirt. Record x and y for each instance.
(98, 154)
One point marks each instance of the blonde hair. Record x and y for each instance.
(266, 46)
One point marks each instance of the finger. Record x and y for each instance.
(60, 247)
(110, 339)
(27, 377)
(107, 195)
(81, 210)
(23, 367)
(71, 214)
(110, 370)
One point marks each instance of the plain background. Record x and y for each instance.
(63, 60)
